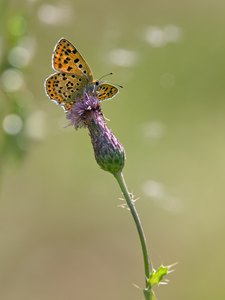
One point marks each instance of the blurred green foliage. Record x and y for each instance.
(13, 111)
(62, 235)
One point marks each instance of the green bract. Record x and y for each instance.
(158, 275)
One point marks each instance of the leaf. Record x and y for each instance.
(158, 275)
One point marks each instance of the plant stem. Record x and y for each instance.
(147, 263)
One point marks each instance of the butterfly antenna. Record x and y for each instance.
(118, 85)
(105, 75)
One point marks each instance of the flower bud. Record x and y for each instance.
(109, 153)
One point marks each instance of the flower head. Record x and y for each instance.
(109, 153)
(84, 111)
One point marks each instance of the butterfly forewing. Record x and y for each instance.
(65, 88)
(106, 91)
(66, 58)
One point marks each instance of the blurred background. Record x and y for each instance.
(63, 234)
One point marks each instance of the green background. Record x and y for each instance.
(62, 235)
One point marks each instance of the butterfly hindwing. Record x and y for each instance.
(64, 88)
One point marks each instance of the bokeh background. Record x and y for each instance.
(62, 232)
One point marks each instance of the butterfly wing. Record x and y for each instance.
(65, 88)
(106, 91)
(66, 58)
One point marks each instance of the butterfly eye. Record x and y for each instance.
(97, 83)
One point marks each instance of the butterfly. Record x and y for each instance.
(73, 78)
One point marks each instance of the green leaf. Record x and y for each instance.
(158, 275)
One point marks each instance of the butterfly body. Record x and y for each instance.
(73, 78)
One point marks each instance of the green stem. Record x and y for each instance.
(147, 263)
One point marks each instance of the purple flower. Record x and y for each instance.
(109, 153)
